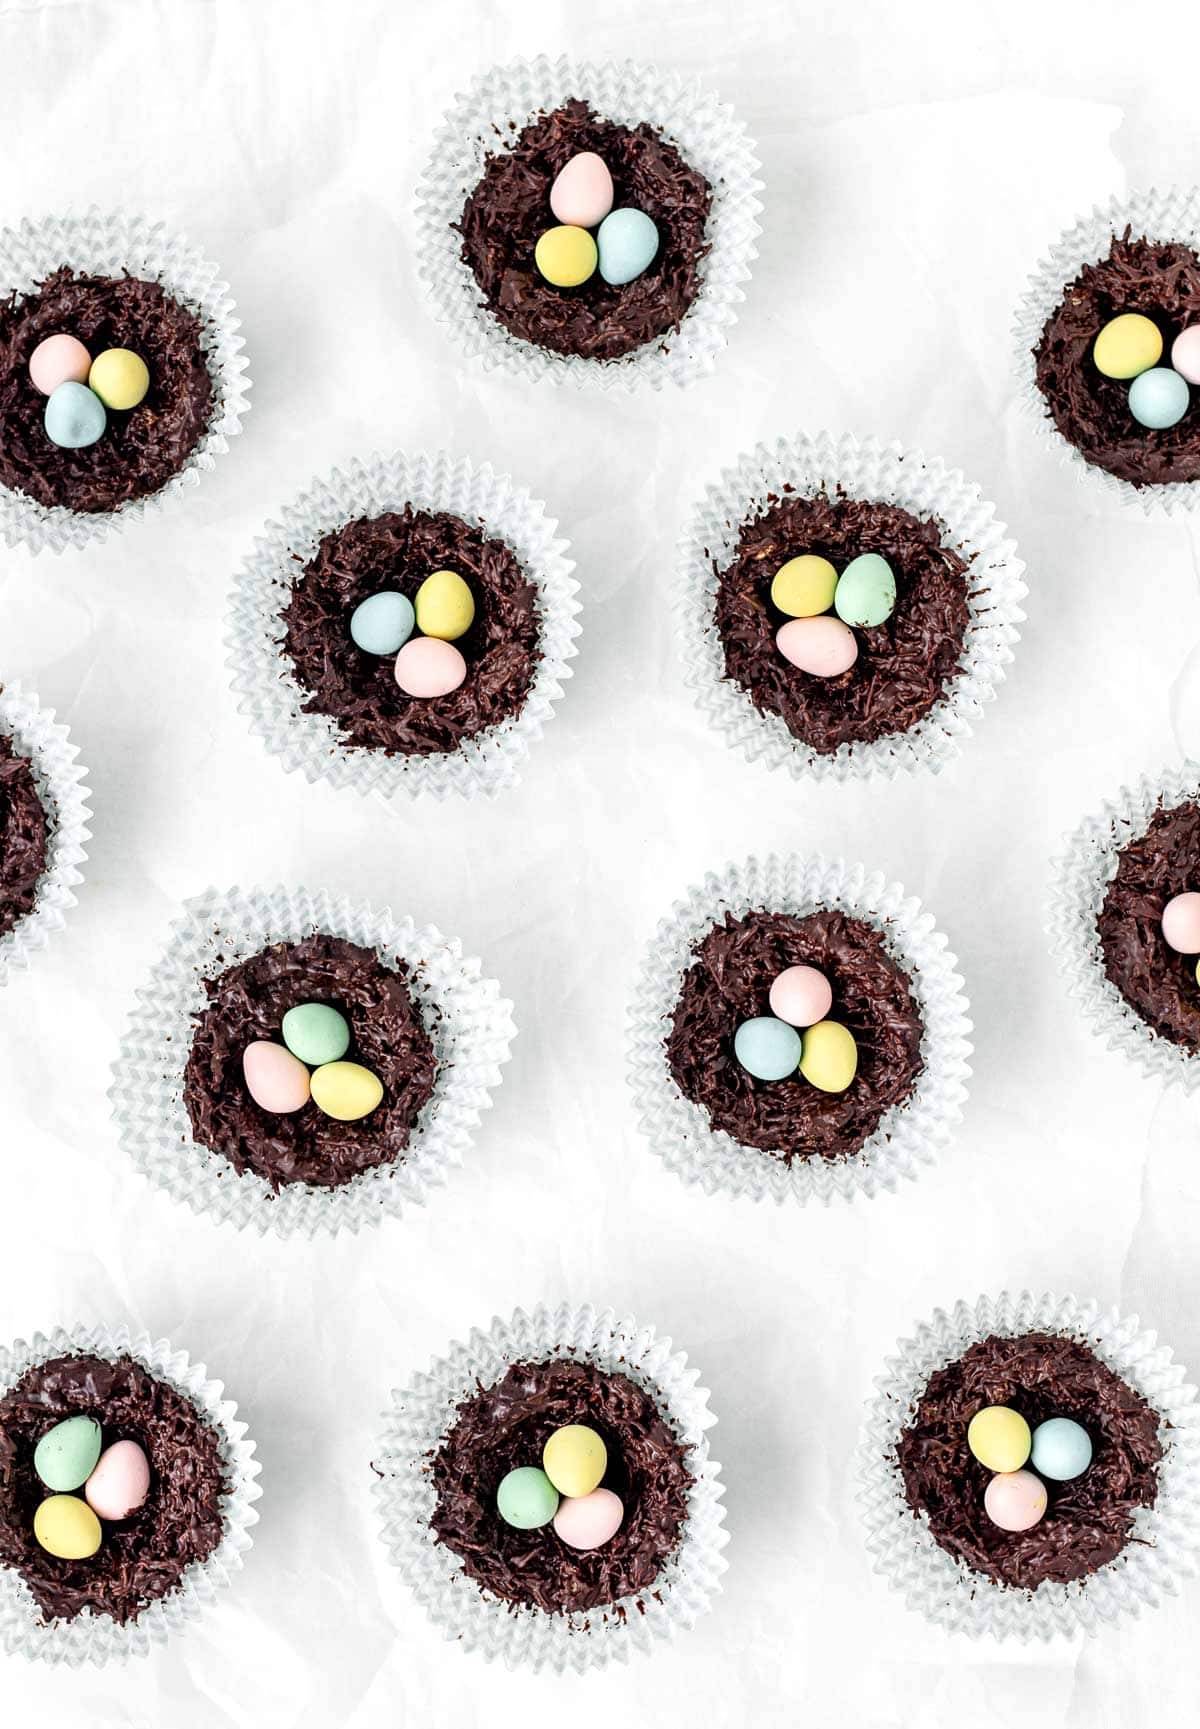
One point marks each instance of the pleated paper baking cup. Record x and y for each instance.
(876, 474)
(468, 1021)
(94, 1638)
(522, 1635)
(1172, 216)
(909, 1136)
(119, 245)
(62, 787)
(1081, 879)
(493, 111)
(263, 677)
(1163, 1543)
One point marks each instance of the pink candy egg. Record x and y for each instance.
(801, 996)
(1015, 1500)
(822, 646)
(59, 360)
(1181, 924)
(120, 1482)
(427, 666)
(587, 1521)
(277, 1080)
(582, 194)
(1185, 353)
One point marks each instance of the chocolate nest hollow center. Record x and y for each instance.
(23, 836)
(1160, 984)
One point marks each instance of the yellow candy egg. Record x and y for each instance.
(803, 587)
(575, 1459)
(829, 1056)
(999, 1438)
(444, 606)
(1128, 345)
(566, 256)
(119, 377)
(66, 1526)
(346, 1091)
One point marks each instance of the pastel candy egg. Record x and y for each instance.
(565, 256)
(1127, 345)
(428, 667)
(767, 1048)
(66, 1526)
(582, 193)
(119, 377)
(1015, 1500)
(120, 1483)
(829, 1057)
(575, 1459)
(1185, 353)
(74, 416)
(803, 587)
(866, 591)
(346, 1091)
(526, 1498)
(445, 606)
(999, 1438)
(316, 1033)
(276, 1080)
(66, 1455)
(824, 647)
(587, 1521)
(626, 243)
(56, 360)
(1062, 1449)
(1159, 398)
(802, 996)
(1181, 924)
(382, 623)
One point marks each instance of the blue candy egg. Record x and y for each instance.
(627, 241)
(383, 622)
(767, 1048)
(1159, 398)
(1062, 1449)
(75, 416)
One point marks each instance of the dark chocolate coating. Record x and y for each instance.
(730, 982)
(509, 210)
(1089, 1520)
(143, 1557)
(359, 690)
(1092, 412)
(903, 665)
(387, 1036)
(1160, 984)
(22, 837)
(502, 1427)
(140, 449)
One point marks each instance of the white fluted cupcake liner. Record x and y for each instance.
(1165, 1538)
(878, 474)
(264, 680)
(467, 1019)
(423, 1414)
(93, 1638)
(1081, 878)
(500, 104)
(62, 787)
(910, 1135)
(113, 244)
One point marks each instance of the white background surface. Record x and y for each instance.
(917, 161)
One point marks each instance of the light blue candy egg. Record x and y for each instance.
(767, 1048)
(1062, 1449)
(383, 622)
(1159, 398)
(626, 242)
(75, 416)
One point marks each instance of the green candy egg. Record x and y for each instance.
(866, 591)
(66, 1455)
(526, 1498)
(316, 1033)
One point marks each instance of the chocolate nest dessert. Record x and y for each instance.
(1089, 1519)
(144, 1556)
(358, 690)
(904, 665)
(1161, 281)
(141, 449)
(1159, 983)
(510, 208)
(730, 981)
(248, 1002)
(22, 837)
(507, 1425)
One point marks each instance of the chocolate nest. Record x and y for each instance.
(1160, 984)
(22, 837)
